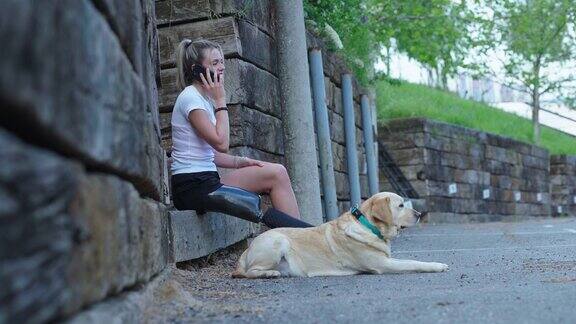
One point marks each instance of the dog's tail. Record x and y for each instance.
(240, 271)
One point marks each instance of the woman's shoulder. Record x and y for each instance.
(190, 92)
(189, 96)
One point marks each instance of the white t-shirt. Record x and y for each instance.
(190, 153)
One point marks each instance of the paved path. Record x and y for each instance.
(499, 273)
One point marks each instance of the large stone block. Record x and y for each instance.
(257, 47)
(251, 86)
(407, 156)
(529, 161)
(364, 190)
(405, 125)
(342, 185)
(339, 157)
(124, 240)
(439, 204)
(134, 22)
(357, 115)
(504, 182)
(329, 92)
(498, 168)
(509, 144)
(337, 99)
(540, 152)
(80, 94)
(259, 12)
(195, 236)
(438, 173)
(69, 238)
(336, 128)
(127, 21)
(223, 31)
(437, 128)
(169, 91)
(459, 161)
(397, 141)
(237, 38)
(463, 190)
(414, 172)
(502, 155)
(249, 127)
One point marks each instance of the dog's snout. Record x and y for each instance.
(422, 216)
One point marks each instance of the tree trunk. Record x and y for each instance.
(388, 53)
(444, 79)
(430, 77)
(536, 103)
(535, 116)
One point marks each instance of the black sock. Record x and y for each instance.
(274, 218)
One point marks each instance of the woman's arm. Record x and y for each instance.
(228, 161)
(217, 136)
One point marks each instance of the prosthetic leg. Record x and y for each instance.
(246, 205)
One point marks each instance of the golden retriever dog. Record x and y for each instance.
(345, 246)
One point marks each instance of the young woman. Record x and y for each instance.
(200, 141)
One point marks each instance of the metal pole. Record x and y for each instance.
(372, 96)
(350, 132)
(369, 145)
(297, 118)
(323, 134)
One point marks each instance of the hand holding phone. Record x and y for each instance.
(214, 84)
(198, 70)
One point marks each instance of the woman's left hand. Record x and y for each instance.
(246, 162)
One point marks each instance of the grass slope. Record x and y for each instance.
(412, 100)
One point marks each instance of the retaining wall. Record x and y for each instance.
(82, 173)
(467, 175)
(563, 185)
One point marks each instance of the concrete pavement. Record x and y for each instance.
(499, 273)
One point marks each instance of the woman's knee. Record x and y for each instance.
(280, 173)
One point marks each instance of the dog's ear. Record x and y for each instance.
(381, 211)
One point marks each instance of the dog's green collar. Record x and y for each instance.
(364, 221)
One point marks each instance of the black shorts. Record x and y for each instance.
(190, 189)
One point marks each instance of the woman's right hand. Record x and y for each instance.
(215, 88)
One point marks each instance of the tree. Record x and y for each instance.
(536, 39)
(432, 32)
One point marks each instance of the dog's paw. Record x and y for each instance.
(438, 267)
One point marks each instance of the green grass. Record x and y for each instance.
(406, 100)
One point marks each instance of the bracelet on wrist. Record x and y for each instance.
(221, 108)
(239, 161)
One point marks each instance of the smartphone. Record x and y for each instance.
(199, 69)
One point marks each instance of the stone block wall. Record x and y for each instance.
(467, 175)
(563, 185)
(245, 31)
(81, 180)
